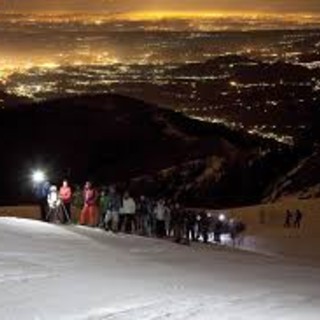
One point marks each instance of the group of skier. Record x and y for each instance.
(293, 219)
(163, 218)
(110, 210)
(54, 203)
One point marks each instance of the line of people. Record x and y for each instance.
(144, 216)
(149, 217)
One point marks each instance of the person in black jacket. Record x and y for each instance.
(191, 222)
(177, 218)
(236, 231)
(287, 222)
(298, 219)
(218, 229)
(204, 224)
(144, 216)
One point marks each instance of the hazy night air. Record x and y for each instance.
(186, 5)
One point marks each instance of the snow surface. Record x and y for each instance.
(57, 272)
(273, 239)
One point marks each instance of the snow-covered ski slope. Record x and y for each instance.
(53, 272)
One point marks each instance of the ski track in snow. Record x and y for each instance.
(57, 272)
(205, 309)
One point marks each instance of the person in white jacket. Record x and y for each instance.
(129, 211)
(54, 205)
(160, 212)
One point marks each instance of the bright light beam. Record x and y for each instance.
(38, 176)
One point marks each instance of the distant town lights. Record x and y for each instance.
(233, 83)
(49, 65)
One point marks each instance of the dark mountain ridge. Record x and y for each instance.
(111, 138)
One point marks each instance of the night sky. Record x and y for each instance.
(129, 5)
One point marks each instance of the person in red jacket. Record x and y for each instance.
(88, 214)
(65, 194)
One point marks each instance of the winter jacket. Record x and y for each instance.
(145, 208)
(41, 190)
(65, 194)
(160, 212)
(114, 203)
(128, 206)
(103, 203)
(53, 199)
(90, 197)
(178, 217)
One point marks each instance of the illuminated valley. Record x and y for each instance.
(212, 66)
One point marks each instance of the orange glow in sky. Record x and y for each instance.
(162, 15)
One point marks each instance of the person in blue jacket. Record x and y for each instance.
(41, 191)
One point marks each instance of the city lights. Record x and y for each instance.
(221, 83)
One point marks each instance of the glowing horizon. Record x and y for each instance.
(123, 6)
(199, 14)
(154, 15)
